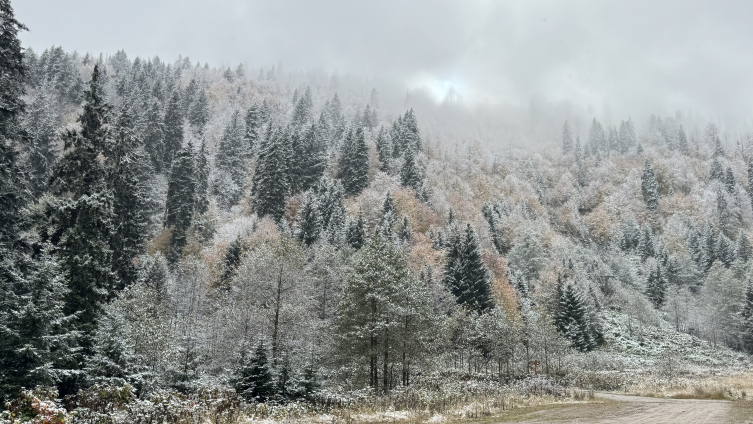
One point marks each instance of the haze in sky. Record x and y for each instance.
(608, 58)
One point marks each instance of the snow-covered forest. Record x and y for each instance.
(263, 236)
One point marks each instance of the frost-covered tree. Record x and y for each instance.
(466, 275)
(356, 232)
(353, 165)
(572, 319)
(254, 377)
(746, 320)
(181, 197)
(649, 187)
(567, 139)
(270, 182)
(308, 225)
(231, 159)
(656, 286)
(198, 113)
(303, 111)
(172, 129)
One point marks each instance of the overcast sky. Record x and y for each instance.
(610, 58)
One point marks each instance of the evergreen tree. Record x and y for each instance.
(718, 150)
(744, 250)
(201, 163)
(130, 213)
(716, 172)
(404, 231)
(172, 129)
(254, 380)
(356, 232)
(353, 166)
(181, 197)
(40, 124)
(198, 113)
(729, 181)
(567, 139)
(746, 320)
(682, 140)
(409, 135)
(656, 287)
(726, 218)
(302, 113)
(154, 136)
(646, 246)
(309, 221)
(597, 140)
(231, 159)
(313, 160)
(254, 121)
(466, 275)
(384, 150)
(410, 176)
(572, 321)
(708, 243)
(649, 187)
(232, 258)
(270, 181)
(725, 250)
(83, 215)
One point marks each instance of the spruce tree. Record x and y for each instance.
(353, 166)
(729, 181)
(571, 320)
(302, 113)
(649, 187)
(232, 258)
(172, 129)
(725, 250)
(254, 380)
(744, 250)
(309, 221)
(716, 172)
(83, 215)
(231, 159)
(656, 286)
(466, 275)
(154, 136)
(410, 176)
(271, 181)
(198, 113)
(254, 120)
(40, 124)
(201, 163)
(682, 140)
(356, 232)
(596, 137)
(567, 139)
(181, 197)
(384, 150)
(313, 160)
(130, 212)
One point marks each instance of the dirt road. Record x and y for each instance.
(635, 409)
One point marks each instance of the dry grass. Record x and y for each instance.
(724, 387)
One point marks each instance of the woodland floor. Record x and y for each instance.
(613, 408)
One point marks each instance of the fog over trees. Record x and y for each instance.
(172, 229)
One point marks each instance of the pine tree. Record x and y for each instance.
(309, 221)
(384, 150)
(270, 181)
(597, 140)
(466, 275)
(198, 113)
(172, 129)
(726, 218)
(201, 163)
(404, 231)
(40, 124)
(646, 246)
(613, 143)
(716, 172)
(725, 250)
(649, 187)
(656, 287)
(254, 381)
(353, 166)
(409, 135)
(718, 150)
(232, 258)
(708, 243)
(181, 197)
(567, 139)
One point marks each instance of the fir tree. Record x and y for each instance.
(716, 172)
(718, 150)
(682, 140)
(172, 129)
(40, 125)
(201, 163)
(313, 161)
(649, 187)
(154, 136)
(597, 140)
(353, 166)
(404, 231)
(270, 181)
(567, 139)
(232, 258)
(231, 159)
(181, 197)
(725, 250)
(254, 380)
(384, 150)
(466, 275)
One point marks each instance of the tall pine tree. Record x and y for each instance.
(353, 166)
